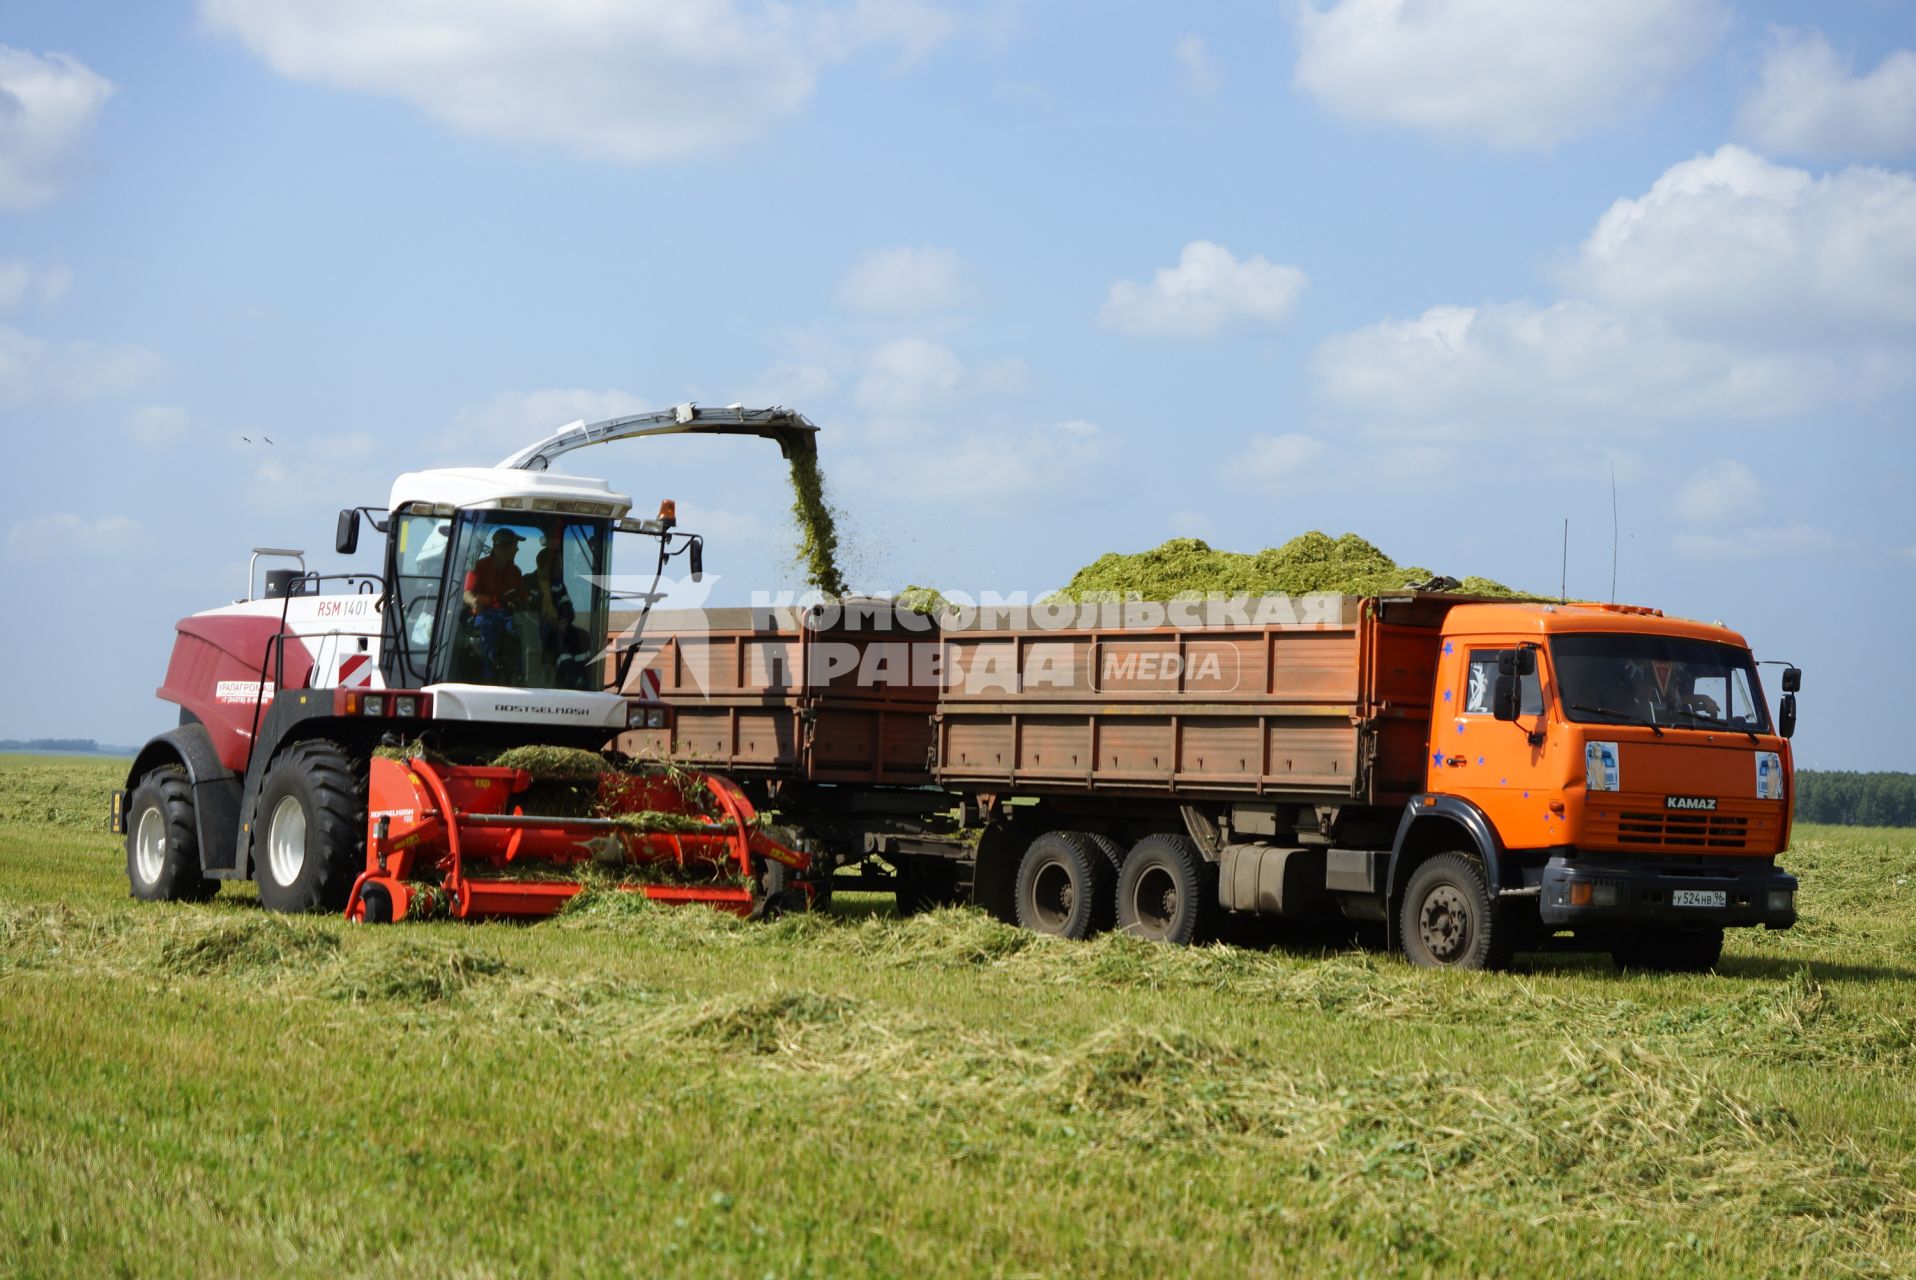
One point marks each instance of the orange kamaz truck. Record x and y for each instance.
(1480, 776)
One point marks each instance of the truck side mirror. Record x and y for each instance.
(1786, 715)
(1506, 695)
(1792, 679)
(1521, 661)
(697, 557)
(346, 540)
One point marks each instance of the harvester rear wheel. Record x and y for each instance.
(309, 829)
(1165, 890)
(162, 840)
(1065, 886)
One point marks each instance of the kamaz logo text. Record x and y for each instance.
(1706, 804)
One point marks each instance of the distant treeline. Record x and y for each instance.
(85, 746)
(1856, 799)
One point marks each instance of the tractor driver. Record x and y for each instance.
(494, 587)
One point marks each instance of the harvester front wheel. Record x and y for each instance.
(1065, 886)
(162, 840)
(309, 829)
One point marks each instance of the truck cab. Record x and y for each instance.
(1626, 764)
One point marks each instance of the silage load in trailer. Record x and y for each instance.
(1309, 563)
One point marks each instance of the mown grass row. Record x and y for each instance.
(630, 1089)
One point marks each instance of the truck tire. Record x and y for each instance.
(1065, 886)
(1678, 951)
(162, 840)
(309, 829)
(1165, 890)
(1447, 919)
(925, 884)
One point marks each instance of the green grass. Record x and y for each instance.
(631, 1090)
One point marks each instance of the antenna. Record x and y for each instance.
(1563, 583)
(1613, 531)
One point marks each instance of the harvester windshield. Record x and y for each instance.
(503, 597)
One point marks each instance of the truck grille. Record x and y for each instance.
(1637, 829)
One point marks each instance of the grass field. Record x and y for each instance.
(191, 1089)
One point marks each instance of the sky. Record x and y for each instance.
(1054, 279)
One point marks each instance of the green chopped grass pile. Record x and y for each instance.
(1311, 562)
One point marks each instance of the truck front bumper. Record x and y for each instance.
(1603, 889)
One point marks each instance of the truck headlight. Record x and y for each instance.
(1782, 900)
(634, 715)
(655, 718)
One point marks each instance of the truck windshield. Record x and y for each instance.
(525, 603)
(1616, 678)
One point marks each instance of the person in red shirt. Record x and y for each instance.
(494, 586)
(495, 582)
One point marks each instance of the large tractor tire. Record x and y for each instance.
(1167, 892)
(1065, 886)
(1678, 951)
(1448, 919)
(309, 829)
(162, 840)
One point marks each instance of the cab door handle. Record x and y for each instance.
(1456, 762)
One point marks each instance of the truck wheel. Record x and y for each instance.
(1679, 951)
(162, 840)
(1448, 920)
(925, 884)
(309, 829)
(1065, 886)
(1165, 890)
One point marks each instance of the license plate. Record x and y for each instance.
(1697, 897)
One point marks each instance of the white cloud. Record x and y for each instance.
(903, 282)
(1206, 292)
(1472, 371)
(1735, 289)
(605, 79)
(21, 281)
(1810, 102)
(157, 425)
(1274, 459)
(1733, 245)
(47, 109)
(1719, 493)
(484, 433)
(34, 370)
(1753, 544)
(986, 468)
(793, 383)
(1196, 69)
(909, 376)
(1513, 73)
(62, 536)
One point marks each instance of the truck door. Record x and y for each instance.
(1495, 764)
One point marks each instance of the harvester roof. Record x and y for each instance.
(487, 486)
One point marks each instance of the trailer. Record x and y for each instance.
(1478, 775)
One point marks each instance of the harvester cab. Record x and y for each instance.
(435, 737)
